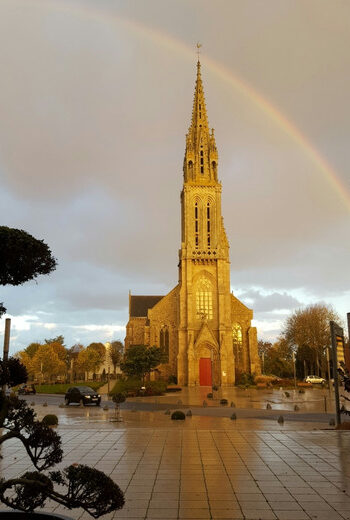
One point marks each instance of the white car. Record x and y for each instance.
(315, 380)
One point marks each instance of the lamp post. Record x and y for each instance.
(6, 343)
(294, 370)
(329, 371)
(263, 362)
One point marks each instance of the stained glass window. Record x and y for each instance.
(204, 299)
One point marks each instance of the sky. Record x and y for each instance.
(95, 101)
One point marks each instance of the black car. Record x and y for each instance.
(82, 395)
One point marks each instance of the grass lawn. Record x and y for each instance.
(61, 388)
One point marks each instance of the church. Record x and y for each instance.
(204, 329)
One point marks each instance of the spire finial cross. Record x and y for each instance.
(198, 45)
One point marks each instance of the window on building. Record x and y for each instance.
(208, 226)
(164, 341)
(204, 299)
(196, 225)
(166, 344)
(237, 338)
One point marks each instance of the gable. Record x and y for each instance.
(238, 308)
(139, 305)
(206, 336)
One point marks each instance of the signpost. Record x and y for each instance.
(337, 336)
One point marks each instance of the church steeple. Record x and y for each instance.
(200, 162)
(199, 112)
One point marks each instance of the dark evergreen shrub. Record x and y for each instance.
(50, 420)
(178, 416)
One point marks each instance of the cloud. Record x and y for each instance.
(269, 302)
(92, 134)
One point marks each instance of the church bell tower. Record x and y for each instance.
(205, 330)
(205, 322)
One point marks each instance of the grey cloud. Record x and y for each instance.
(270, 302)
(92, 134)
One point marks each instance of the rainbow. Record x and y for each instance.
(244, 89)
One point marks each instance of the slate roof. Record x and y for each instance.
(139, 305)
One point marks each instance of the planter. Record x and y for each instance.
(21, 515)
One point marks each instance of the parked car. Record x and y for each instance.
(315, 380)
(82, 395)
(26, 390)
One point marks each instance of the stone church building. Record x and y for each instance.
(205, 330)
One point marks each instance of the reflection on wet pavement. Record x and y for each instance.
(209, 466)
(213, 474)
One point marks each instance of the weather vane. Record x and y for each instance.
(199, 45)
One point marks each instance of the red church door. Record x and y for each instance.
(205, 371)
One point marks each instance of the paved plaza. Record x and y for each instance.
(209, 466)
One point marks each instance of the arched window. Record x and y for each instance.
(190, 170)
(237, 338)
(213, 164)
(196, 225)
(164, 341)
(204, 299)
(166, 344)
(208, 226)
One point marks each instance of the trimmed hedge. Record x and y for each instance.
(132, 387)
(50, 420)
(173, 389)
(61, 388)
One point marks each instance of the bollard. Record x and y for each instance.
(325, 404)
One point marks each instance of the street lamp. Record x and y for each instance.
(263, 362)
(295, 375)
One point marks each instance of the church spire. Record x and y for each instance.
(199, 112)
(200, 163)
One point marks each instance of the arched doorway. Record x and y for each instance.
(206, 364)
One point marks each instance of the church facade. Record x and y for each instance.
(205, 330)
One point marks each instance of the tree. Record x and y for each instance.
(49, 359)
(88, 360)
(46, 362)
(60, 350)
(31, 349)
(2, 309)
(115, 353)
(27, 361)
(307, 330)
(263, 347)
(72, 358)
(100, 349)
(22, 258)
(139, 360)
(278, 358)
(86, 487)
(57, 339)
